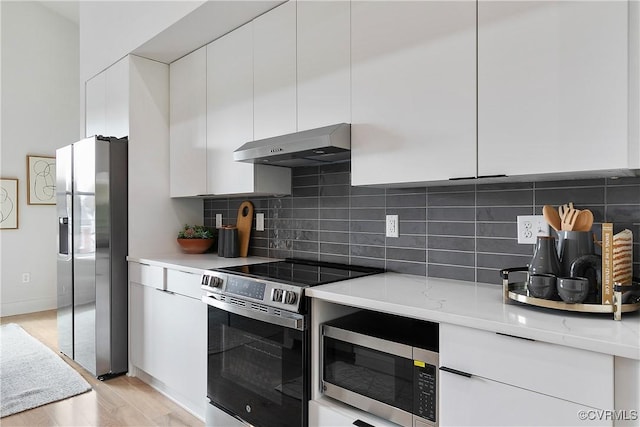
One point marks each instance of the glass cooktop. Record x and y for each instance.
(303, 273)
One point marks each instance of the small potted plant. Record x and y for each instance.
(195, 239)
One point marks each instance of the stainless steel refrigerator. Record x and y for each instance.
(91, 203)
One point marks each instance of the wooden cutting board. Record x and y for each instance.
(244, 223)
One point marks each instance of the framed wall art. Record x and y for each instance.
(41, 180)
(8, 203)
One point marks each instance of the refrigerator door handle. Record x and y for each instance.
(63, 235)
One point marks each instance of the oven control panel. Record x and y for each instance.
(270, 293)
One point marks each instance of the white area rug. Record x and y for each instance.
(31, 374)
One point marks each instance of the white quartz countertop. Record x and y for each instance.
(195, 263)
(481, 306)
(449, 301)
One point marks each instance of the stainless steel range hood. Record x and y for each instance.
(313, 147)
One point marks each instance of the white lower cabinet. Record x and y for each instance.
(168, 339)
(492, 379)
(478, 401)
(326, 412)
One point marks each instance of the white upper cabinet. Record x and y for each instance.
(413, 66)
(323, 59)
(274, 72)
(188, 128)
(229, 110)
(107, 102)
(230, 120)
(553, 87)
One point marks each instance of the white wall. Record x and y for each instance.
(40, 112)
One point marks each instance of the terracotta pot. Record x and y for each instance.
(195, 246)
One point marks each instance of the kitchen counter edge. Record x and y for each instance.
(195, 263)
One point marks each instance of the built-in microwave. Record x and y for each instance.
(383, 364)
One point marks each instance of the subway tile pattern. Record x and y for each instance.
(465, 232)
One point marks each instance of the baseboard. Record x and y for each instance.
(28, 306)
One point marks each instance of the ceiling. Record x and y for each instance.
(210, 21)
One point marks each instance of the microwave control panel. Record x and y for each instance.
(425, 391)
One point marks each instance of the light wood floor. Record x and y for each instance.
(120, 401)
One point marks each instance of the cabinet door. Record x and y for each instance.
(188, 129)
(169, 342)
(274, 72)
(477, 401)
(229, 110)
(323, 60)
(413, 67)
(145, 350)
(552, 86)
(182, 337)
(95, 105)
(117, 99)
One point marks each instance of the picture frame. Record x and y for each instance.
(41, 180)
(8, 203)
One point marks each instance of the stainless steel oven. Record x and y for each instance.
(258, 361)
(384, 364)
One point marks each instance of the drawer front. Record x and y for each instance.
(477, 401)
(580, 376)
(148, 275)
(184, 283)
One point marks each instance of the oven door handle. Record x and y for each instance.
(292, 321)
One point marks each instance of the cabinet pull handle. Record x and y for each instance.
(514, 336)
(361, 423)
(462, 178)
(455, 371)
(500, 175)
(165, 291)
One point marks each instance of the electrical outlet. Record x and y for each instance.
(26, 277)
(259, 222)
(530, 227)
(218, 220)
(392, 226)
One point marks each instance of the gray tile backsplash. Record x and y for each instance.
(465, 232)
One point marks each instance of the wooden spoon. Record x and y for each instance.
(583, 221)
(552, 217)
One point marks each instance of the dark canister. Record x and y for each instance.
(231, 247)
(571, 246)
(221, 238)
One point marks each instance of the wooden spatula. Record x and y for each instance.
(563, 209)
(569, 219)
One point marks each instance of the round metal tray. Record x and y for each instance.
(518, 292)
